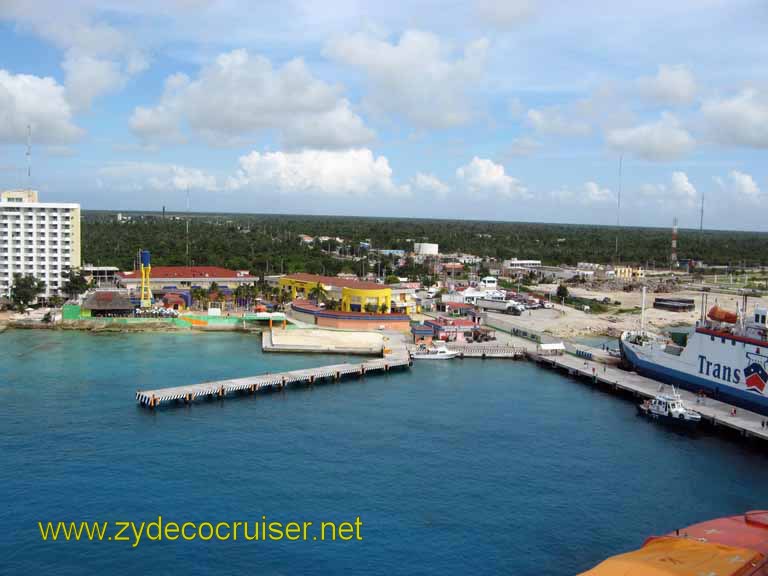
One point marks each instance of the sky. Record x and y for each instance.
(519, 110)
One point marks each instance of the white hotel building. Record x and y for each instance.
(37, 238)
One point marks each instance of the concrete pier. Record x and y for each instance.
(311, 340)
(221, 388)
(717, 414)
(483, 350)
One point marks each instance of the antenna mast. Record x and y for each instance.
(188, 263)
(701, 226)
(618, 208)
(29, 156)
(673, 254)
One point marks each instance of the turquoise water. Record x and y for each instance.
(598, 341)
(480, 467)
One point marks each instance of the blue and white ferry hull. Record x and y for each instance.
(729, 368)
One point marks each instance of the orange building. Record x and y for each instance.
(307, 312)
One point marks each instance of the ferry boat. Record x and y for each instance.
(438, 351)
(731, 546)
(726, 357)
(669, 409)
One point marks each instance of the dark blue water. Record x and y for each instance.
(480, 467)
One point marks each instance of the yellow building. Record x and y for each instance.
(354, 295)
(629, 273)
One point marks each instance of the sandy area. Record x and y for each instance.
(568, 322)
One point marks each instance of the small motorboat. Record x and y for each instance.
(669, 408)
(437, 351)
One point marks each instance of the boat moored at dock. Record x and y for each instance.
(669, 408)
(437, 351)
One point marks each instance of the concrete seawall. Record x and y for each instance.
(324, 341)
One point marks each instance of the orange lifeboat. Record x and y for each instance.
(732, 546)
(720, 315)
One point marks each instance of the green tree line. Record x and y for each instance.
(271, 244)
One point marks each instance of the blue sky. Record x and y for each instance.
(515, 110)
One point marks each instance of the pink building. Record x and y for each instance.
(451, 329)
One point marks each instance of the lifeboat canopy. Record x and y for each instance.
(721, 315)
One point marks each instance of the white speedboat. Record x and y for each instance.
(438, 351)
(669, 408)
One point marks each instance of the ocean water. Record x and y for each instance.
(462, 467)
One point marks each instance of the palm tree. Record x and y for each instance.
(263, 287)
(371, 308)
(318, 293)
(198, 295)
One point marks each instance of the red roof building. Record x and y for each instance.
(332, 281)
(188, 276)
(451, 329)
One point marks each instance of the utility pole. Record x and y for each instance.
(701, 228)
(187, 189)
(618, 209)
(29, 156)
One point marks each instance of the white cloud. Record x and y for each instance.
(504, 13)
(682, 188)
(317, 172)
(98, 58)
(431, 184)
(744, 185)
(70, 28)
(679, 190)
(552, 120)
(240, 95)
(27, 100)
(593, 193)
(323, 173)
(158, 177)
(482, 176)
(522, 146)
(658, 141)
(417, 77)
(739, 121)
(88, 78)
(652, 190)
(137, 62)
(672, 85)
(590, 193)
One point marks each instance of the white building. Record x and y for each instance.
(425, 249)
(489, 283)
(101, 275)
(472, 295)
(515, 264)
(37, 238)
(463, 258)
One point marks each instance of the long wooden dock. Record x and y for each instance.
(718, 414)
(222, 388)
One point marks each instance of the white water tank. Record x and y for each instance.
(425, 249)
